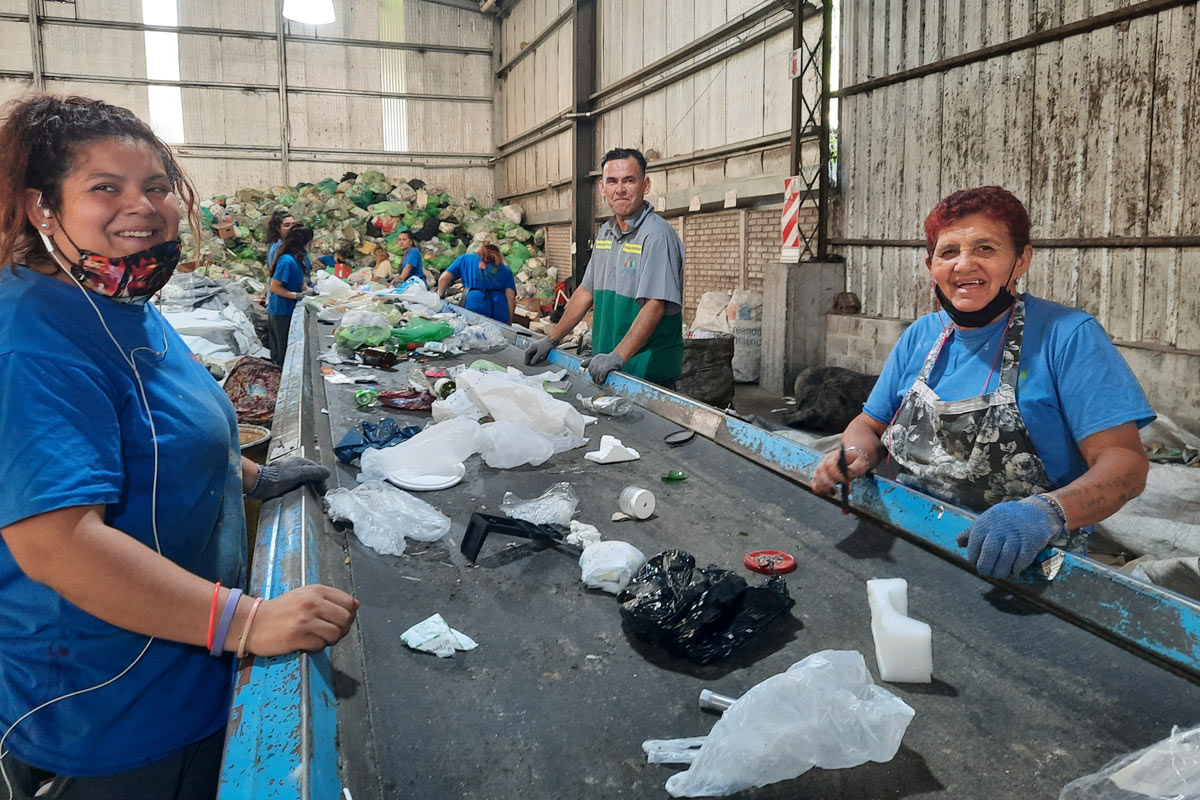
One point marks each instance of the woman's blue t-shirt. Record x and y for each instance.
(412, 258)
(1072, 381)
(75, 434)
(485, 287)
(288, 272)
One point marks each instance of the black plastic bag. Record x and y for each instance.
(703, 614)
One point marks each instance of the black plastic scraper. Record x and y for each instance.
(482, 524)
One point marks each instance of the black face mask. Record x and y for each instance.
(984, 316)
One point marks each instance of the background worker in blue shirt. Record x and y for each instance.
(286, 287)
(489, 283)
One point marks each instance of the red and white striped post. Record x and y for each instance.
(790, 253)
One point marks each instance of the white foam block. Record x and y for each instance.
(903, 646)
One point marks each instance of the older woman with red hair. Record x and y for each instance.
(1006, 404)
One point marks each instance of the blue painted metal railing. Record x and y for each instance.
(282, 741)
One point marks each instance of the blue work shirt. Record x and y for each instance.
(75, 434)
(486, 287)
(289, 273)
(412, 258)
(1072, 382)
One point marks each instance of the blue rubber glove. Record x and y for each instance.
(601, 364)
(1007, 537)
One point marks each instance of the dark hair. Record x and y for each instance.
(490, 254)
(620, 153)
(295, 244)
(346, 252)
(41, 138)
(994, 202)
(275, 223)
(411, 238)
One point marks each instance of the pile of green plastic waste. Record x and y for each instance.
(362, 211)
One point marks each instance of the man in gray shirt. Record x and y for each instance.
(633, 284)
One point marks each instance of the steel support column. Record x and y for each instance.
(285, 123)
(35, 46)
(810, 120)
(583, 135)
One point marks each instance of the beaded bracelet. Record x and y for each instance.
(212, 614)
(217, 647)
(1057, 505)
(241, 653)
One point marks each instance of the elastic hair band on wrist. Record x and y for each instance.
(257, 481)
(218, 644)
(212, 614)
(241, 653)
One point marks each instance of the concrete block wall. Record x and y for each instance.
(861, 343)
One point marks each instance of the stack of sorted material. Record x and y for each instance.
(363, 211)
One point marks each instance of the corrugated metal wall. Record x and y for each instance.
(1094, 131)
(731, 95)
(338, 79)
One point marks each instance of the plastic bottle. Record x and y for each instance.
(608, 405)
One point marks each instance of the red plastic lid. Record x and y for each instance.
(769, 562)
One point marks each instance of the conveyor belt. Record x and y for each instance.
(557, 699)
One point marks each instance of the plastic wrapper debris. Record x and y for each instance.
(361, 316)
(356, 337)
(582, 535)
(553, 419)
(368, 435)
(507, 443)
(407, 400)
(383, 515)
(419, 295)
(555, 506)
(433, 635)
(458, 404)
(1167, 770)
(331, 286)
(420, 332)
(608, 405)
(437, 450)
(610, 565)
(672, 751)
(252, 386)
(483, 337)
(825, 711)
(703, 615)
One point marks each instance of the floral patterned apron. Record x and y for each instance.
(975, 452)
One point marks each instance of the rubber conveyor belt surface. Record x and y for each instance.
(557, 699)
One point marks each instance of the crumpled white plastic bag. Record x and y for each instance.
(332, 286)
(1167, 769)
(610, 565)
(560, 422)
(507, 443)
(383, 515)
(555, 506)
(825, 711)
(437, 450)
(433, 635)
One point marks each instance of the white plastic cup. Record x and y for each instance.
(637, 502)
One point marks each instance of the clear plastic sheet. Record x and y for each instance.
(825, 711)
(383, 516)
(1167, 770)
(555, 506)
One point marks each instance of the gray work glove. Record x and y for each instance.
(599, 365)
(281, 477)
(537, 352)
